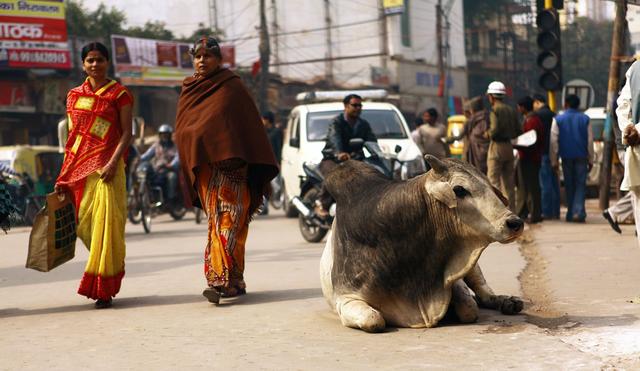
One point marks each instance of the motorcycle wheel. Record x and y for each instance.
(310, 232)
(290, 211)
(177, 212)
(145, 209)
(134, 214)
(198, 212)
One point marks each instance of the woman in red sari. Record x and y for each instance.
(99, 119)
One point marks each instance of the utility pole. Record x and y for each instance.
(213, 14)
(329, 63)
(384, 43)
(274, 34)
(442, 81)
(265, 53)
(617, 45)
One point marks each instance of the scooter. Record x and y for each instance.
(312, 227)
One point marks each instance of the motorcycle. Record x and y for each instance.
(312, 227)
(22, 190)
(147, 199)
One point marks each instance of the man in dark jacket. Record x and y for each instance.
(344, 127)
(550, 187)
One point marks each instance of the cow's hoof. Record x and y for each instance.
(511, 305)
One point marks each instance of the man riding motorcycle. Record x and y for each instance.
(344, 127)
(165, 162)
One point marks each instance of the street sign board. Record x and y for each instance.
(583, 90)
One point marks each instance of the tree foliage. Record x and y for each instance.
(105, 21)
(586, 47)
(478, 12)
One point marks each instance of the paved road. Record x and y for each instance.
(580, 283)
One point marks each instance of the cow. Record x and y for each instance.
(403, 253)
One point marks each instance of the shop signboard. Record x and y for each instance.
(143, 62)
(393, 6)
(15, 96)
(33, 34)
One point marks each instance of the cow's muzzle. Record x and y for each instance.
(515, 224)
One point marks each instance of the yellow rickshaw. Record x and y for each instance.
(41, 163)
(455, 126)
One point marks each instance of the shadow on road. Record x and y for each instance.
(122, 303)
(272, 296)
(568, 321)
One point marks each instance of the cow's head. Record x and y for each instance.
(480, 207)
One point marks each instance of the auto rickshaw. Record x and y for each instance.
(41, 163)
(455, 126)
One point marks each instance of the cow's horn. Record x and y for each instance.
(437, 165)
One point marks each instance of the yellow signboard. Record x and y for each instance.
(33, 9)
(393, 6)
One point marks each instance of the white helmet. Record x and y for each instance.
(496, 88)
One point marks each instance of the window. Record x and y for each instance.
(475, 43)
(385, 124)
(294, 130)
(493, 42)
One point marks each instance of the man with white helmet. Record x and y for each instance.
(503, 126)
(165, 161)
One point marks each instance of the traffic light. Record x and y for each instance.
(549, 56)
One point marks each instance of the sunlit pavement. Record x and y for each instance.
(580, 281)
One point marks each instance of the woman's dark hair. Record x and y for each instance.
(208, 43)
(94, 46)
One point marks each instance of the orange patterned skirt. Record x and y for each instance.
(224, 194)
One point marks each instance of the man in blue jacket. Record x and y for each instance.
(572, 140)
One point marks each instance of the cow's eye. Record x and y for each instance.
(460, 191)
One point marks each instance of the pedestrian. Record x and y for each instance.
(549, 184)
(99, 114)
(415, 133)
(476, 143)
(227, 160)
(572, 141)
(275, 136)
(503, 127)
(432, 135)
(622, 210)
(528, 169)
(628, 114)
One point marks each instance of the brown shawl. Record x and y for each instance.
(217, 120)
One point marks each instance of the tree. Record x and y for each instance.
(151, 30)
(586, 34)
(203, 30)
(477, 12)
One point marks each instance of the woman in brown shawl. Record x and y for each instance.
(227, 160)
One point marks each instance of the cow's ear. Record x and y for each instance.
(438, 166)
(442, 192)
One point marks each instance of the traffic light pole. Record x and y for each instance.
(551, 95)
(612, 93)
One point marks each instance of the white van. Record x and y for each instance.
(307, 128)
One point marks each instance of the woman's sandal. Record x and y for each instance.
(102, 304)
(212, 294)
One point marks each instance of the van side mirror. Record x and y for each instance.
(294, 142)
(398, 149)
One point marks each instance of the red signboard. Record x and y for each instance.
(15, 97)
(33, 34)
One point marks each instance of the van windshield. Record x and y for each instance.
(385, 124)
